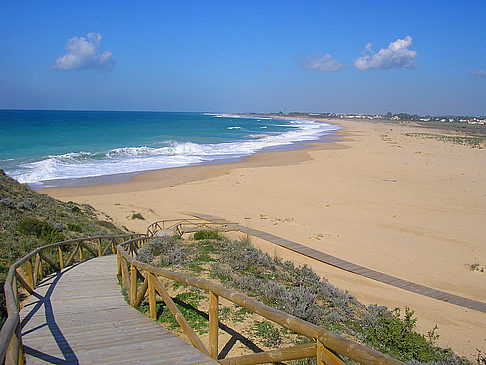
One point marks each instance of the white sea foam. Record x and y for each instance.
(170, 154)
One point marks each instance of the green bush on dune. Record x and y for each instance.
(40, 229)
(206, 235)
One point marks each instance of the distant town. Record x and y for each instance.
(481, 120)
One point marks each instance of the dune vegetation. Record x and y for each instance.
(29, 220)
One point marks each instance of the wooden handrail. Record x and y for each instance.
(10, 336)
(326, 345)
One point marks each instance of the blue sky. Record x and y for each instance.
(425, 57)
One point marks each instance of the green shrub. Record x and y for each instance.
(74, 227)
(206, 235)
(40, 229)
(107, 224)
(137, 216)
(269, 333)
(396, 336)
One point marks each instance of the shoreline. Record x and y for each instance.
(168, 177)
(126, 176)
(402, 205)
(118, 164)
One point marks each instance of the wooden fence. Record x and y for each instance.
(181, 226)
(28, 271)
(325, 345)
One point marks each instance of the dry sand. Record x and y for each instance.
(410, 207)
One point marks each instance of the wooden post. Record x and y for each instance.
(61, 260)
(21, 349)
(36, 271)
(113, 247)
(118, 262)
(14, 349)
(30, 274)
(99, 247)
(213, 325)
(195, 340)
(39, 275)
(151, 290)
(326, 357)
(80, 251)
(125, 276)
(320, 353)
(133, 284)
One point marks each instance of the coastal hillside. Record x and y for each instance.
(282, 285)
(29, 220)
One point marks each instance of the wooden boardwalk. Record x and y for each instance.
(357, 269)
(80, 317)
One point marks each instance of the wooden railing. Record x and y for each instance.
(326, 346)
(181, 226)
(30, 266)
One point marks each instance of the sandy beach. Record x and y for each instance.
(408, 206)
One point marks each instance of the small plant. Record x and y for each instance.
(480, 358)
(7, 202)
(269, 333)
(176, 285)
(476, 267)
(206, 235)
(74, 227)
(26, 205)
(165, 249)
(107, 224)
(187, 303)
(137, 216)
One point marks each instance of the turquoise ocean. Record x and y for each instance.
(58, 148)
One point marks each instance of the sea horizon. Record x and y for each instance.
(53, 148)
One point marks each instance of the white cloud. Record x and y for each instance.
(82, 54)
(481, 73)
(396, 55)
(325, 63)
